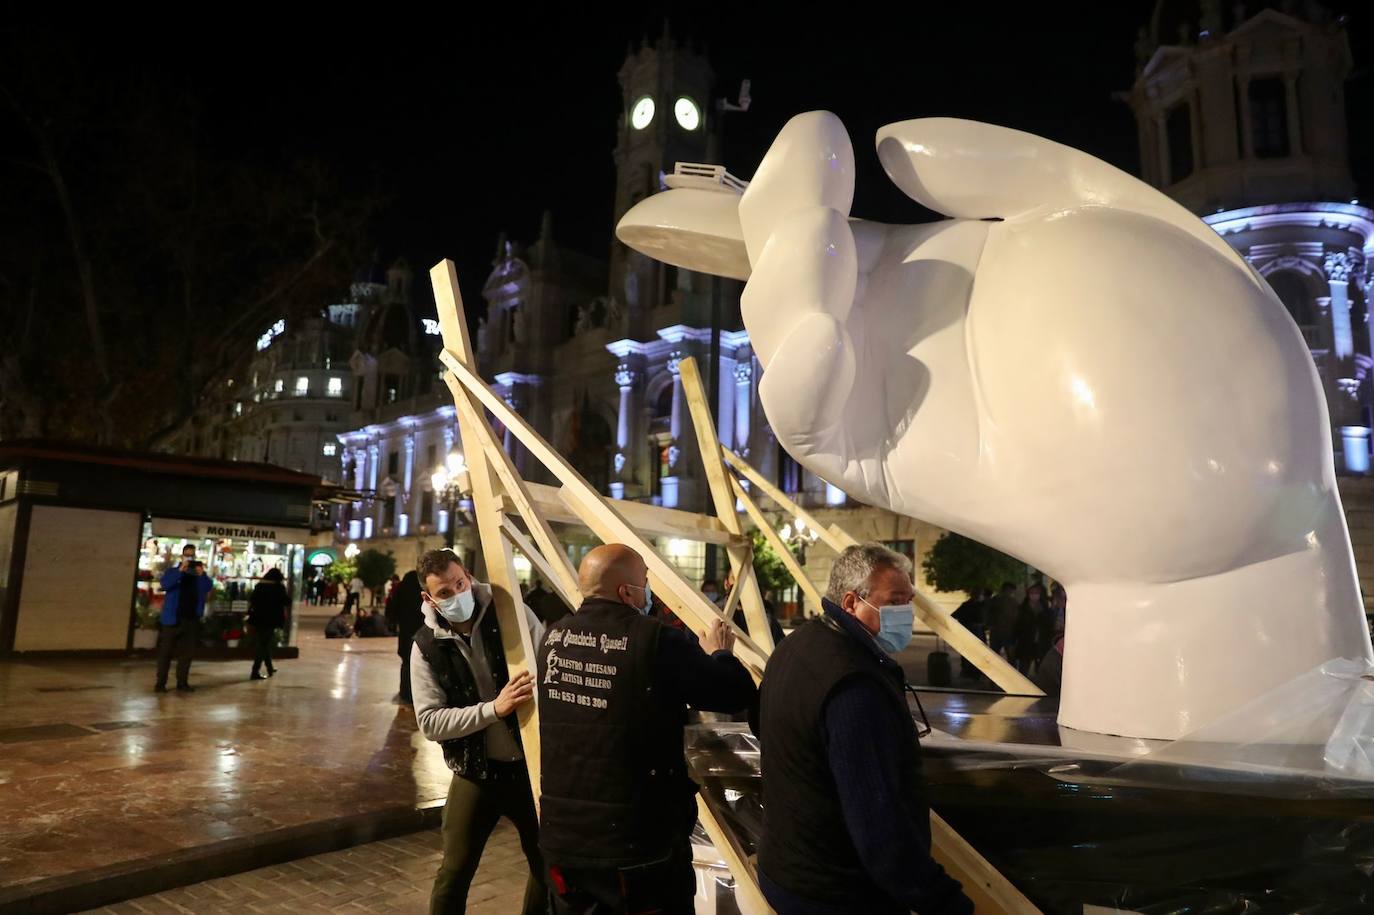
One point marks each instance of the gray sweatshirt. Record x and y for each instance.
(440, 721)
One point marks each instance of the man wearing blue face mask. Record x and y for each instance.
(846, 824)
(465, 699)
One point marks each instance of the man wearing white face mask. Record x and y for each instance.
(465, 699)
(846, 824)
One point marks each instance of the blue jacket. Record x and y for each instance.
(171, 587)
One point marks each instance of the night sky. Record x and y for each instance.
(473, 122)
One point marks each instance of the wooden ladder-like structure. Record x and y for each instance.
(500, 495)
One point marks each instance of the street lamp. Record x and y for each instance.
(798, 538)
(351, 551)
(451, 483)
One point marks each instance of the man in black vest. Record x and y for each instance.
(617, 807)
(846, 824)
(465, 700)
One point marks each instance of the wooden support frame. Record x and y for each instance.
(498, 488)
(703, 421)
(997, 668)
(480, 456)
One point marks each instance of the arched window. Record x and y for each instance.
(1292, 291)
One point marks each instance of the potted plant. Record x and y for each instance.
(145, 624)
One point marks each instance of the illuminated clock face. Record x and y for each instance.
(687, 114)
(642, 113)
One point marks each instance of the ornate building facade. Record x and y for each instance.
(1241, 116)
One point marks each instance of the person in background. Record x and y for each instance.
(1029, 620)
(186, 586)
(390, 585)
(340, 625)
(406, 618)
(846, 823)
(971, 615)
(618, 807)
(267, 608)
(355, 594)
(712, 592)
(547, 605)
(999, 615)
(372, 625)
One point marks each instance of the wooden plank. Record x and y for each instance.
(563, 576)
(776, 542)
(728, 611)
(650, 520)
(718, 482)
(681, 596)
(748, 896)
(500, 558)
(538, 560)
(991, 893)
(996, 667)
(833, 540)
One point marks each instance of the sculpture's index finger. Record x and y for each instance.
(810, 164)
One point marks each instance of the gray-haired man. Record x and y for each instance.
(846, 825)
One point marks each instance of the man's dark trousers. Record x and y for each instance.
(181, 640)
(470, 814)
(666, 887)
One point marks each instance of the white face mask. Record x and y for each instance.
(458, 608)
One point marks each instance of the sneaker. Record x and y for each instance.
(160, 688)
(255, 675)
(185, 688)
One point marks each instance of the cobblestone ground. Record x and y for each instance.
(394, 875)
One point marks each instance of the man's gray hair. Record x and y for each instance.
(854, 568)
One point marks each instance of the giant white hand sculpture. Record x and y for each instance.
(1096, 384)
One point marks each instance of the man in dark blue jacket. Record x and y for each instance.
(186, 587)
(846, 824)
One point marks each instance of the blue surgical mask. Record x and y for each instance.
(648, 598)
(458, 608)
(894, 626)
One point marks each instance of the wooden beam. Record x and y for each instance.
(650, 520)
(776, 542)
(991, 892)
(748, 896)
(681, 596)
(997, 668)
(728, 611)
(561, 573)
(835, 541)
(500, 558)
(718, 482)
(539, 561)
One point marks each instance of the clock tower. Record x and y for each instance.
(666, 118)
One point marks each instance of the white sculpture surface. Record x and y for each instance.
(1096, 384)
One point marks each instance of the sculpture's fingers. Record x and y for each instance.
(805, 390)
(972, 170)
(808, 266)
(811, 163)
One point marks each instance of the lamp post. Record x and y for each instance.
(351, 551)
(451, 483)
(798, 537)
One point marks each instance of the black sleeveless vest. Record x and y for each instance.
(467, 755)
(614, 784)
(805, 846)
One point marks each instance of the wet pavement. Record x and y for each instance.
(394, 875)
(98, 772)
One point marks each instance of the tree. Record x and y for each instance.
(375, 567)
(772, 575)
(957, 563)
(139, 255)
(341, 571)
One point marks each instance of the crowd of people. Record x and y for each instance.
(1027, 630)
